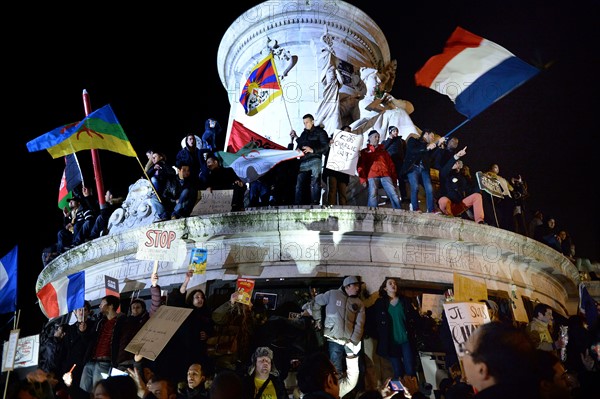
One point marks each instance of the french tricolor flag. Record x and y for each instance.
(63, 295)
(473, 72)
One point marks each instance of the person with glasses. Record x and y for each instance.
(318, 378)
(499, 362)
(554, 380)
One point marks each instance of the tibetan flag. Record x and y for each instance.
(63, 295)
(251, 162)
(473, 72)
(241, 135)
(262, 86)
(587, 306)
(99, 130)
(71, 178)
(8, 282)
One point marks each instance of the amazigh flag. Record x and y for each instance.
(8, 281)
(262, 86)
(241, 135)
(99, 130)
(251, 162)
(473, 72)
(71, 178)
(63, 295)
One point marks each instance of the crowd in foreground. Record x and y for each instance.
(259, 353)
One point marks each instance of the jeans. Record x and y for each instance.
(413, 179)
(390, 189)
(404, 365)
(309, 175)
(92, 373)
(337, 355)
(186, 202)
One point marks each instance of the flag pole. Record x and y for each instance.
(456, 128)
(281, 88)
(95, 155)
(15, 325)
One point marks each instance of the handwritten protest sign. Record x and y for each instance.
(464, 318)
(158, 330)
(344, 151)
(219, 201)
(158, 245)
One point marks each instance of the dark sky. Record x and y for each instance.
(156, 66)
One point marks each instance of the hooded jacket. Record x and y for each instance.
(344, 315)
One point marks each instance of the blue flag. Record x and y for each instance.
(8, 282)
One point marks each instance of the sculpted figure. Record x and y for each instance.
(328, 112)
(140, 208)
(380, 110)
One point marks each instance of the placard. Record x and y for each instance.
(434, 303)
(8, 361)
(158, 245)
(464, 318)
(157, 331)
(344, 152)
(219, 201)
(468, 290)
(244, 288)
(489, 184)
(198, 260)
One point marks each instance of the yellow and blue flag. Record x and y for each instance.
(99, 130)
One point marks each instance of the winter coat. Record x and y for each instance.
(344, 315)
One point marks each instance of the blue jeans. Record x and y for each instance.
(404, 365)
(390, 189)
(413, 179)
(309, 170)
(92, 373)
(186, 202)
(337, 355)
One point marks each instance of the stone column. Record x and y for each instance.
(295, 29)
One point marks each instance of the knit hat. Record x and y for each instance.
(372, 132)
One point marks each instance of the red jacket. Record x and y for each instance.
(375, 162)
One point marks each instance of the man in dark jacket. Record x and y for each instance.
(396, 147)
(221, 178)
(314, 143)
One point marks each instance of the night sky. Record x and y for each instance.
(156, 67)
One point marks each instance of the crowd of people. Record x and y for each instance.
(256, 350)
(403, 167)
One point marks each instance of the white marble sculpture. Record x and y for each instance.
(379, 110)
(328, 111)
(140, 208)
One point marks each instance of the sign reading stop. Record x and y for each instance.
(158, 245)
